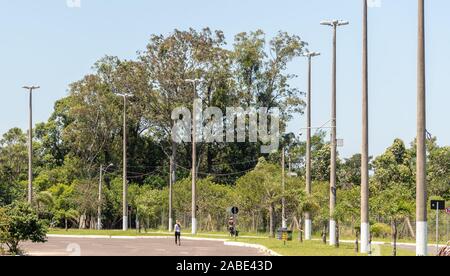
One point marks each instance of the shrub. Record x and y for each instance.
(380, 230)
(18, 223)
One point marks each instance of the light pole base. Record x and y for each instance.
(421, 238)
(170, 224)
(308, 229)
(332, 232)
(194, 226)
(99, 224)
(125, 223)
(284, 224)
(365, 237)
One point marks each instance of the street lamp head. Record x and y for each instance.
(326, 23)
(311, 54)
(33, 87)
(334, 23)
(343, 23)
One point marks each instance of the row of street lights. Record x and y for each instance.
(421, 198)
(421, 216)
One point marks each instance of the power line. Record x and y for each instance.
(213, 174)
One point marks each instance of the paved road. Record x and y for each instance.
(62, 246)
(432, 251)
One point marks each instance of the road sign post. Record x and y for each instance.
(285, 237)
(438, 205)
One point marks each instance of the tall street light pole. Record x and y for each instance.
(194, 157)
(334, 24)
(125, 181)
(30, 142)
(365, 227)
(308, 222)
(421, 185)
(283, 184)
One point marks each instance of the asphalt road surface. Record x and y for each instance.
(62, 246)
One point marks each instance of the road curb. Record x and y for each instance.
(256, 246)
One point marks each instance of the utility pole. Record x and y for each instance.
(421, 185)
(334, 24)
(125, 181)
(308, 221)
(283, 184)
(365, 227)
(30, 142)
(99, 208)
(194, 157)
(170, 194)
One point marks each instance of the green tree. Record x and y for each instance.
(148, 204)
(348, 210)
(5, 222)
(24, 225)
(320, 196)
(13, 165)
(213, 201)
(261, 188)
(64, 205)
(350, 171)
(394, 166)
(66, 216)
(439, 171)
(44, 203)
(393, 204)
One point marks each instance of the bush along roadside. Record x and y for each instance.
(20, 223)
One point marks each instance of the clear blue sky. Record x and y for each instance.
(50, 44)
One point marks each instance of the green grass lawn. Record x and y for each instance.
(293, 248)
(317, 248)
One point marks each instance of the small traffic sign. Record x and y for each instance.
(235, 210)
(438, 205)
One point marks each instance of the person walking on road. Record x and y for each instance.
(177, 233)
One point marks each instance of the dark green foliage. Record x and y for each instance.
(20, 223)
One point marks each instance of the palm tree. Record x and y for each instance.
(67, 215)
(44, 199)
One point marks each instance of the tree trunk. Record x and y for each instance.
(13, 247)
(65, 224)
(271, 221)
(300, 230)
(324, 234)
(394, 238)
(253, 222)
(337, 234)
(357, 241)
(138, 223)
